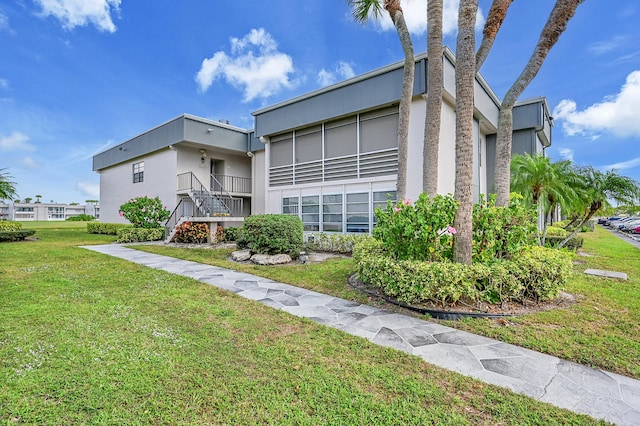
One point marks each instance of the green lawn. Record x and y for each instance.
(86, 338)
(603, 330)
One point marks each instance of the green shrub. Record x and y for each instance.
(145, 212)
(421, 231)
(135, 235)
(332, 242)
(501, 232)
(81, 218)
(18, 235)
(554, 231)
(535, 273)
(573, 244)
(561, 223)
(106, 228)
(230, 234)
(9, 225)
(191, 232)
(273, 234)
(542, 271)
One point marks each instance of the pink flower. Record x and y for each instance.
(396, 209)
(121, 214)
(406, 202)
(144, 209)
(452, 230)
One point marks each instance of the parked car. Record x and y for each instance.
(615, 224)
(611, 219)
(626, 226)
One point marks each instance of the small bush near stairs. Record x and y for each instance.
(190, 232)
(273, 234)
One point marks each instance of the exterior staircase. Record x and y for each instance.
(199, 202)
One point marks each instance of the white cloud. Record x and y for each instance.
(29, 163)
(566, 153)
(616, 114)
(415, 15)
(16, 141)
(78, 13)
(630, 164)
(90, 189)
(342, 71)
(4, 22)
(4, 83)
(606, 46)
(254, 66)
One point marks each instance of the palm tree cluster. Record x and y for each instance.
(7, 186)
(580, 192)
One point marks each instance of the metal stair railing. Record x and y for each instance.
(208, 202)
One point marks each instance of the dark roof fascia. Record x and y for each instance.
(130, 149)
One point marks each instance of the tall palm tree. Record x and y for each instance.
(362, 10)
(434, 98)
(599, 187)
(562, 12)
(7, 186)
(544, 184)
(465, 80)
(495, 17)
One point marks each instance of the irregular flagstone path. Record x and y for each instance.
(582, 389)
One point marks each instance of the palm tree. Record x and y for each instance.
(434, 98)
(7, 186)
(544, 184)
(495, 17)
(38, 198)
(562, 12)
(599, 187)
(465, 80)
(362, 10)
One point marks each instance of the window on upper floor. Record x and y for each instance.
(138, 172)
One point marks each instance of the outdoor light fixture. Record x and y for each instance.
(303, 257)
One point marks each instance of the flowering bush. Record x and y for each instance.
(421, 231)
(145, 212)
(189, 232)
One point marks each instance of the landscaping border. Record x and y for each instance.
(434, 313)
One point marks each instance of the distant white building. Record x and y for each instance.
(46, 211)
(329, 156)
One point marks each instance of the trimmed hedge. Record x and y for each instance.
(81, 218)
(554, 231)
(573, 244)
(332, 243)
(106, 228)
(9, 225)
(536, 273)
(19, 235)
(273, 234)
(136, 235)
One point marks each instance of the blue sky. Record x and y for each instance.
(78, 76)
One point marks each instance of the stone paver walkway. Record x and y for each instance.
(565, 384)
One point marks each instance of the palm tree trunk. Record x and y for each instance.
(495, 17)
(404, 113)
(434, 98)
(465, 81)
(562, 12)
